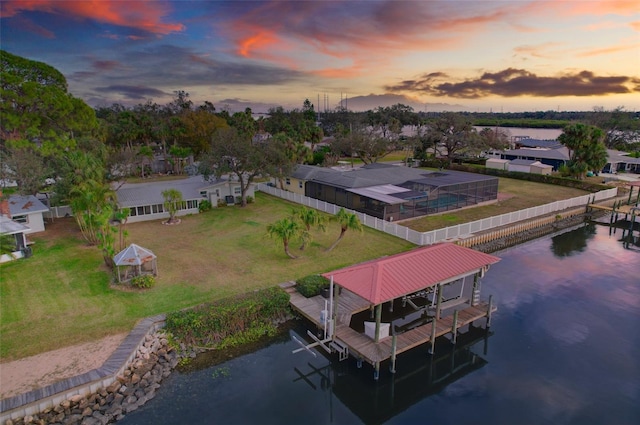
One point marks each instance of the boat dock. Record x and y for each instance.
(366, 349)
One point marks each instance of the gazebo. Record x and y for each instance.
(135, 261)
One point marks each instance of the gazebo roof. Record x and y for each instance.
(394, 276)
(133, 255)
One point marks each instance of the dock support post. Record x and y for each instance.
(439, 301)
(489, 308)
(432, 345)
(378, 320)
(392, 367)
(376, 371)
(454, 327)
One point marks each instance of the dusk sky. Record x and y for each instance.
(474, 55)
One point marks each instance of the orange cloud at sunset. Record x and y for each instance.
(146, 16)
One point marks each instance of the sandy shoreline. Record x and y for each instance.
(38, 371)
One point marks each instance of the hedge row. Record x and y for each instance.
(539, 178)
(230, 321)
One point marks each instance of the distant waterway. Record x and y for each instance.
(563, 349)
(533, 133)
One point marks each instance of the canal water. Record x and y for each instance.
(563, 348)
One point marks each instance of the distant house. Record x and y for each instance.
(27, 210)
(146, 202)
(555, 157)
(392, 192)
(621, 161)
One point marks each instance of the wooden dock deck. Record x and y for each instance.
(363, 347)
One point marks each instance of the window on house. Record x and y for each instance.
(203, 193)
(237, 190)
(300, 184)
(288, 181)
(21, 219)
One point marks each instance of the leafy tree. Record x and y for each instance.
(25, 166)
(285, 230)
(145, 153)
(172, 200)
(7, 244)
(364, 143)
(241, 157)
(586, 148)
(347, 221)
(455, 133)
(309, 218)
(179, 154)
(291, 152)
(36, 107)
(621, 128)
(92, 203)
(121, 216)
(198, 127)
(244, 123)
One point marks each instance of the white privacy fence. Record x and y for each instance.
(447, 233)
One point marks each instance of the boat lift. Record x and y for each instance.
(327, 318)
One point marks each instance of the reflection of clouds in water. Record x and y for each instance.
(568, 326)
(556, 399)
(627, 297)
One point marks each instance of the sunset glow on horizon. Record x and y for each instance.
(466, 55)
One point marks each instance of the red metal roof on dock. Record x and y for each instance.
(401, 274)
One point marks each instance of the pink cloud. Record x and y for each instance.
(147, 16)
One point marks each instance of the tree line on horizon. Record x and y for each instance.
(48, 135)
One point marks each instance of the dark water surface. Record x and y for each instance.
(563, 348)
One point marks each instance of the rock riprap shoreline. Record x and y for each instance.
(154, 360)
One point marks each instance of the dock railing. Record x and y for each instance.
(451, 233)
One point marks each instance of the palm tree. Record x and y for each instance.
(285, 230)
(347, 221)
(172, 199)
(88, 200)
(309, 217)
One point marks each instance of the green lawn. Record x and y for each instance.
(517, 195)
(62, 295)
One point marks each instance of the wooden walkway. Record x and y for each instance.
(622, 209)
(360, 345)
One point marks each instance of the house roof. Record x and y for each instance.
(384, 193)
(538, 143)
(133, 255)
(10, 227)
(619, 156)
(561, 153)
(378, 174)
(523, 161)
(402, 274)
(137, 194)
(21, 205)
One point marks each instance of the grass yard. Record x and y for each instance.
(62, 295)
(516, 195)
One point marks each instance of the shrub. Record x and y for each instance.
(221, 203)
(310, 286)
(204, 206)
(143, 281)
(230, 321)
(249, 199)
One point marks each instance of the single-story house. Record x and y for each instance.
(146, 202)
(621, 161)
(555, 157)
(27, 210)
(393, 192)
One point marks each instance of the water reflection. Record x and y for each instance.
(564, 351)
(572, 242)
(417, 377)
